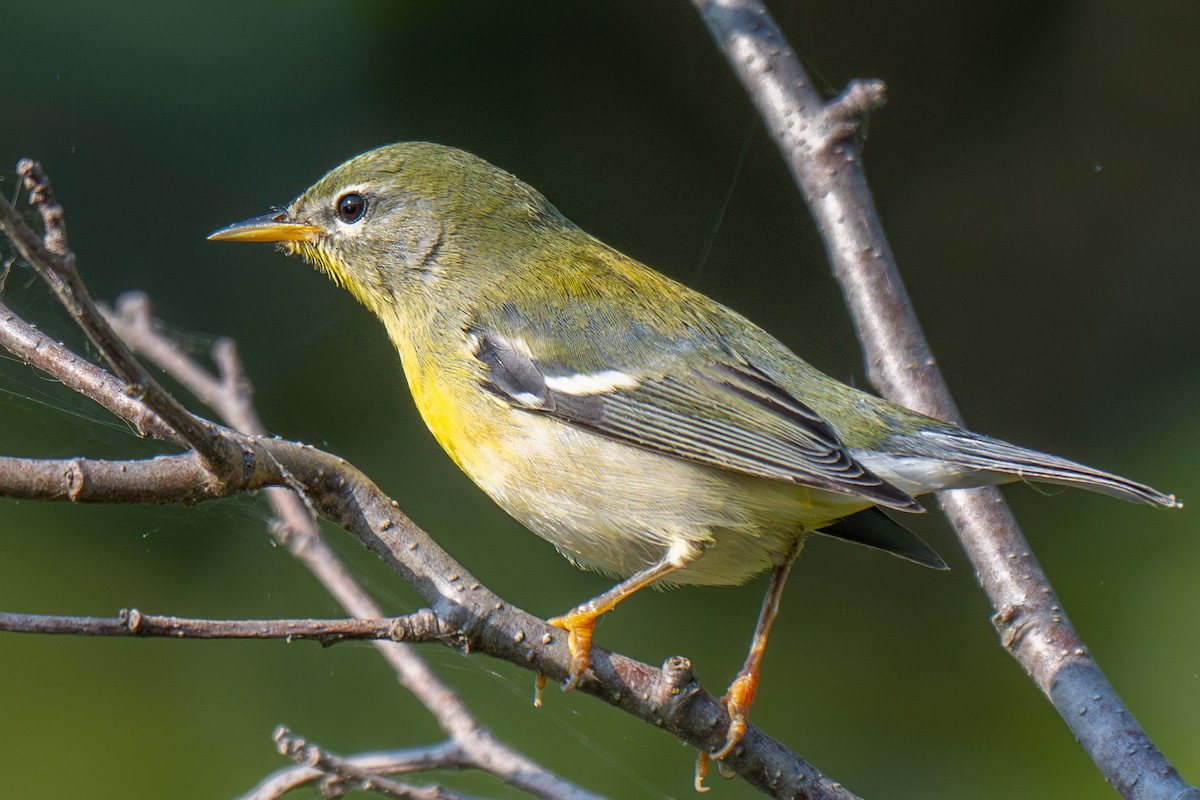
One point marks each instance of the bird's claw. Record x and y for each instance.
(579, 628)
(738, 713)
(703, 762)
(737, 702)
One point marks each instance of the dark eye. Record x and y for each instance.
(351, 207)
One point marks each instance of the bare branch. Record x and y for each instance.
(446, 756)
(40, 351)
(818, 143)
(351, 771)
(160, 480)
(420, 626)
(480, 621)
(51, 259)
(228, 394)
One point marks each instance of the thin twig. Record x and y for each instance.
(41, 352)
(351, 771)
(420, 626)
(446, 756)
(51, 258)
(162, 480)
(818, 143)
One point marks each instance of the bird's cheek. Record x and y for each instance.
(417, 244)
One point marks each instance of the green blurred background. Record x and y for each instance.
(1035, 168)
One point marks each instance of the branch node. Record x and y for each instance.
(41, 197)
(289, 745)
(676, 674)
(75, 478)
(860, 97)
(131, 620)
(422, 625)
(844, 115)
(345, 773)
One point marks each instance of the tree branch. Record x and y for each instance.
(51, 259)
(818, 142)
(472, 616)
(41, 352)
(353, 772)
(420, 626)
(446, 756)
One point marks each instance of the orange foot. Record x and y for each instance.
(579, 625)
(579, 621)
(737, 701)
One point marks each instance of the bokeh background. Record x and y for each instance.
(1035, 168)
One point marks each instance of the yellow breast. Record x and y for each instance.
(465, 420)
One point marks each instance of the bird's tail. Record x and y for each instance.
(977, 453)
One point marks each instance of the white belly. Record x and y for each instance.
(616, 508)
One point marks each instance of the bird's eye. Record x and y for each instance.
(351, 207)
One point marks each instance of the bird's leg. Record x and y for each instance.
(579, 621)
(740, 694)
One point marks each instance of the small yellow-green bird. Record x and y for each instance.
(640, 427)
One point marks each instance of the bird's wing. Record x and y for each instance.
(722, 412)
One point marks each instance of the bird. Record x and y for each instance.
(643, 429)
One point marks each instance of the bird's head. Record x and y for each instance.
(396, 215)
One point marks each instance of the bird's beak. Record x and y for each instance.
(274, 227)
